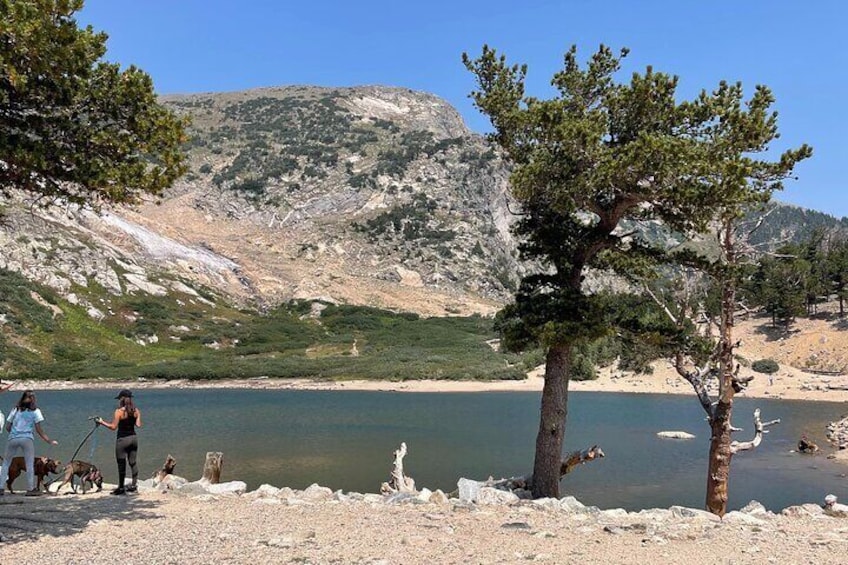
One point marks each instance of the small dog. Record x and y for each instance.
(88, 476)
(43, 467)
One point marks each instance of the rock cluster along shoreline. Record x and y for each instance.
(177, 521)
(472, 494)
(837, 433)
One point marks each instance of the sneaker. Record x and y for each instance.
(33, 493)
(132, 488)
(119, 490)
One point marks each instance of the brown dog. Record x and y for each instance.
(88, 476)
(43, 467)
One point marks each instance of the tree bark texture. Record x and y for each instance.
(167, 468)
(720, 451)
(719, 462)
(212, 467)
(549, 441)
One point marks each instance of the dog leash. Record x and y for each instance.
(93, 447)
(85, 439)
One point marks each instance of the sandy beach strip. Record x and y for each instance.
(788, 384)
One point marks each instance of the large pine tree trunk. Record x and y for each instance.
(549, 442)
(719, 463)
(720, 451)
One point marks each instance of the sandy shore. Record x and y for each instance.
(788, 383)
(165, 528)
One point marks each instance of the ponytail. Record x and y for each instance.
(128, 406)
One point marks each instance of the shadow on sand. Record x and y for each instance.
(775, 333)
(29, 518)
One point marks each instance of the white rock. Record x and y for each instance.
(95, 314)
(736, 517)
(141, 282)
(614, 513)
(493, 496)
(424, 495)
(684, 512)
(548, 503)
(675, 435)
(438, 497)
(468, 489)
(803, 510)
(317, 492)
(170, 482)
(571, 504)
(754, 508)
(285, 492)
(656, 514)
(264, 491)
(235, 488)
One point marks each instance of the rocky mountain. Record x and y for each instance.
(369, 195)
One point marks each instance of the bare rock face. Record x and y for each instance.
(370, 195)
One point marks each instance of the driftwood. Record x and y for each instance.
(759, 430)
(574, 460)
(577, 458)
(212, 467)
(398, 481)
(167, 469)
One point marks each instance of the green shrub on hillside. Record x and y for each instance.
(767, 366)
(344, 342)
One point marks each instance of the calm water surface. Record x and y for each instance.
(345, 440)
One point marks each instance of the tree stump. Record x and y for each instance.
(167, 468)
(212, 467)
(399, 482)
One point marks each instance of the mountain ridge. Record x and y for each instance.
(370, 195)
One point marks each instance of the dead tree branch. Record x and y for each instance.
(759, 430)
(577, 458)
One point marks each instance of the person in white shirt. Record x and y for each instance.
(24, 419)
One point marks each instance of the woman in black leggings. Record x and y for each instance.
(126, 419)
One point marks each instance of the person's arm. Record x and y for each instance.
(44, 436)
(113, 425)
(137, 418)
(6, 386)
(10, 419)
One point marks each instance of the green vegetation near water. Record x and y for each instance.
(199, 339)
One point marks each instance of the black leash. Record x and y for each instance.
(85, 439)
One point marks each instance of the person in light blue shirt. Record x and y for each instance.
(3, 388)
(23, 422)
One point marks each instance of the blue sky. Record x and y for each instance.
(793, 47)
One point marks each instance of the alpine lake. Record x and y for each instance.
(346, 439)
